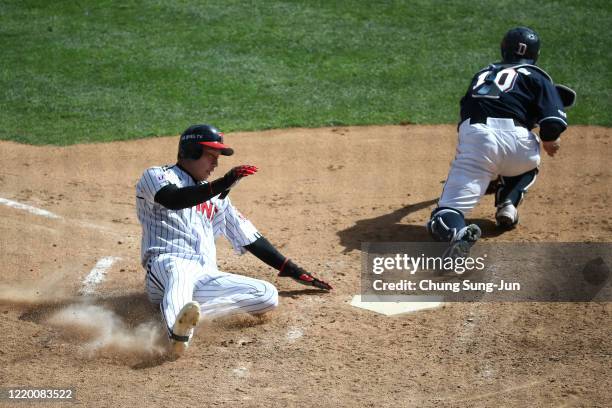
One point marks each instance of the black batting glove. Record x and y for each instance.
(298, 274)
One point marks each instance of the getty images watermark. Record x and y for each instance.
(540, 272)
(412, 264)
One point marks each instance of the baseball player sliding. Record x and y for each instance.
(182, 214)
(503, 103)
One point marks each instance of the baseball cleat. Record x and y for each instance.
(507, 216)
(462, 243)
(183, 327)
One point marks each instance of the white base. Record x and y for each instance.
(393, 308)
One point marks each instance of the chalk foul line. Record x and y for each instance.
(97, 274)
(28, 208)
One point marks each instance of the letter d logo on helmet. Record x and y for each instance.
(520, 45)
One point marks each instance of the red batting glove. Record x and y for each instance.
(244, 170)
(233, 176)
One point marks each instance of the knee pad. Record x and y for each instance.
(513, 189)
(444, 223)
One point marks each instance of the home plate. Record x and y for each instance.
(390, 308)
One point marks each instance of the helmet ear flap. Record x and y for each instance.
(190, 151)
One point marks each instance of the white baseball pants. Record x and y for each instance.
(485, 151)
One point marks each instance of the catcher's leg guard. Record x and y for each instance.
(445, 223)
(514, 188)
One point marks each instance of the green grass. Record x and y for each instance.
(101, 70)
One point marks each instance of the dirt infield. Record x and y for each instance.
(318, 195)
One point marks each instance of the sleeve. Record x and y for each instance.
(152, 180)
(550, 106)
(178, 198)
(228, 221)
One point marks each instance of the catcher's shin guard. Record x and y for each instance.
(445, 223)
(513, 189)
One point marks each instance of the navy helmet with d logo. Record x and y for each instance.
(520, 45)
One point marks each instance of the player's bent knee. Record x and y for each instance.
(269, 298)
(272, 300)
(444, 223)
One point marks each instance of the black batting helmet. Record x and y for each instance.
(520, 45)
(196, 137)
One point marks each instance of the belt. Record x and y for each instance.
(483, 120)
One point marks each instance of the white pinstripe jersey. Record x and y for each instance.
(189, 233)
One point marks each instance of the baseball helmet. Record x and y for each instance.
(520, 45)
(196, 137)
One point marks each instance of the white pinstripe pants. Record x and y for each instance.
(172, 282)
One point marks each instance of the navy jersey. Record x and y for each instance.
(521, 92)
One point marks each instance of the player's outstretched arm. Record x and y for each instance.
(175, 198)
(268, 254)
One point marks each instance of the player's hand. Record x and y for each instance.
(244, 170)
(299, 275)
(551, 148)
(232, 177)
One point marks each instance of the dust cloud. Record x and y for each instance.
(106, 333)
